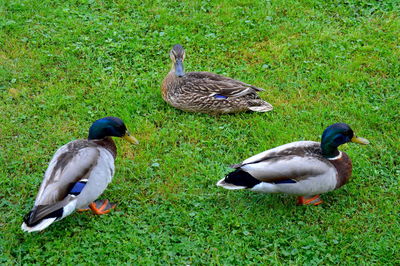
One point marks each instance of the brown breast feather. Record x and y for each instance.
(109, 144)
(344, 167)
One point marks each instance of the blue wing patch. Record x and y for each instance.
(219, 96)
(285, 181)
(77, 188)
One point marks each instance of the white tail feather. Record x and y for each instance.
(263, 108)
(222, 183)
(39, 227)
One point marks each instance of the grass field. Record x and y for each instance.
(64, 64)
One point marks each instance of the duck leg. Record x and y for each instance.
(309, 200)
(99, 207)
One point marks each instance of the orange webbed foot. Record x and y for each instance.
(99, 207)
(309, 200)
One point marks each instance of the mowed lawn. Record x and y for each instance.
(64, 64)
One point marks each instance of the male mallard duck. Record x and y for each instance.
(206, 92)
(303, 168)
(77, 175)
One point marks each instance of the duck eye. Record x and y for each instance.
(341, 139)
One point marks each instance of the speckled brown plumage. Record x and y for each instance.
(194, 92)
(207, 92)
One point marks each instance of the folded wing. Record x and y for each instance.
(213, 84)
(294, 161)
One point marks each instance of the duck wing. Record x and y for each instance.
(213, 84)
(288, 163)
(215, 77)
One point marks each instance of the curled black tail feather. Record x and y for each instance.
(241, 178)
(31, 219)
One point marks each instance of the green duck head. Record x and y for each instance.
(336, 135)
(110, 127)
(177, 55)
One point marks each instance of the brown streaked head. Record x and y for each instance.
(177, 55)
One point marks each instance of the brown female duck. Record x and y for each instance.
(207, 92)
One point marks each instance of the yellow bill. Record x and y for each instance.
(359, 140)
(130, 138)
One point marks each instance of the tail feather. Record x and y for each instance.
(222, 183)
(260, 106)
(41, 216)
(33, 221)
(238, 179)
(38, 226)
(41, 212)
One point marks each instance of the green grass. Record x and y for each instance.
(64, 64)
